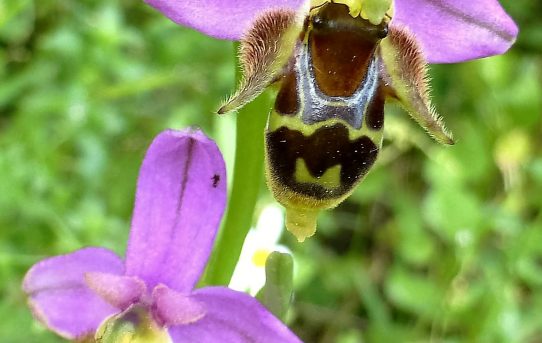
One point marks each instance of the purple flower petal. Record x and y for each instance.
(457, 30)
(59, 296)
(232, 317)
(224, 19)
(181, 194)
(117, 290)
(173, 308)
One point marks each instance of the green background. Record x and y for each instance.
(440, 244)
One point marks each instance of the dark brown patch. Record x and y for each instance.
(374, 117)
(327, 147)
(287, 101)
(341, 48)
(340, 62)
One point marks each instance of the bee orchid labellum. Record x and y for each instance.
(335, 65)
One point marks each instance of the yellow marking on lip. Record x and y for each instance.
(330, 179)
(301, 222)
(119, 328)
(276, 121)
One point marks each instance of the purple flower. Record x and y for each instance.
(448, 30)
(180, 199)
(336, 62)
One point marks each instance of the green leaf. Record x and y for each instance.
(455, 213)
(414, 293)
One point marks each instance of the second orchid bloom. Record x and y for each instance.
(149, 296)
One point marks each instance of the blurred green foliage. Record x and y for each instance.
(438, 244)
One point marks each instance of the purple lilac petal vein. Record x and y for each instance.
(448, 30)
(179, 202)
(178, 207)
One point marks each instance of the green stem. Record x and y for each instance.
(247, 178)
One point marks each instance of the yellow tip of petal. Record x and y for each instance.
(301, 223)
(374, 11)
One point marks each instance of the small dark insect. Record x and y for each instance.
(216, 179)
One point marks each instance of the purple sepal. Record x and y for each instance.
(59, 296)
(452, 31)
(232, 317)
(223, 19)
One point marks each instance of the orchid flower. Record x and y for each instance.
(260, 242)
(150, 296)
(336, 63)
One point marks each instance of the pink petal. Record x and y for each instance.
(117, 290)
(173, 308)
(232, 317)
(59, 297)
(181, 194)
(457, 30)
(225, 19)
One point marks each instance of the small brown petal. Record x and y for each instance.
(405, 75)
(264, 51)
